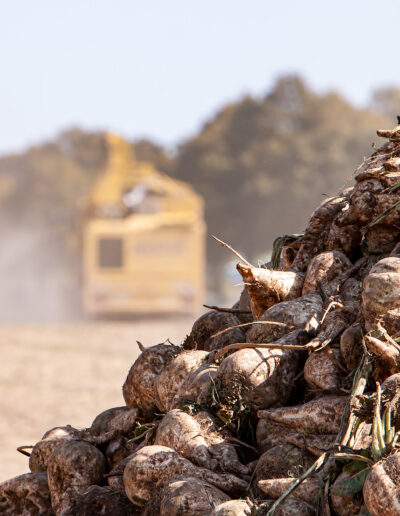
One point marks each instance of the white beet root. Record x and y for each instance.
(42, 450)
(343, 505)
(319, 416)
(317, 231)
(282, 460)
(303, 313)
(381, 295)
(261, 377)
(345, 238)
(361, 207)
(267, 287)
(196, 386)
(387, 360)
(72, 468)
(188, 496)
(322, 371)
(101, 423)
(122, 423)
(139, 389)
(232, 508)
(104, 501)
(115, 476)
(152, 467)
(182, 433)
(308, 490)
(350, 294)
(244, 304)
(381, 239)
(271, 434)
(119, 448)
(198, 439)
(174, 375)
(323, 268)
(351, 346)
(26, 495)
(200, 337)
(308, 357)
(382, 487)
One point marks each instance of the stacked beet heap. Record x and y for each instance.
(286, 404)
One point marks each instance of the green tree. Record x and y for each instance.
(386, 101)
(264, 164)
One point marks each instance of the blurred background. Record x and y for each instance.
(127, 121)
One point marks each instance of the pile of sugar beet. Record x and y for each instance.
(286, 404)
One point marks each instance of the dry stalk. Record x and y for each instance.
(21, 449)
(332, 304)
(253, 345)
(282, 343)
(271, 323)
(227, 310)
(314, 345)
(233, 251)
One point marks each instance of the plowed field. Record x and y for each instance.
(51, 376)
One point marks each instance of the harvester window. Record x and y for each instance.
(110, 253)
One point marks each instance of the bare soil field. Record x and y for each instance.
(58, 375)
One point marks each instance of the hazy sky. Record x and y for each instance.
(160, 68)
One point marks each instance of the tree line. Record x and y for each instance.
(262, 165)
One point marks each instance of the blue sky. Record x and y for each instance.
(161, 68)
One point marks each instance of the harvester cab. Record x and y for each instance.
(143, 240)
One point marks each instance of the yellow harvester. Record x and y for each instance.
(143, 240)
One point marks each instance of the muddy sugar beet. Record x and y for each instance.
(286, 404)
